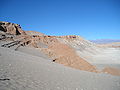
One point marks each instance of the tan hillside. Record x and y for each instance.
(73, 51)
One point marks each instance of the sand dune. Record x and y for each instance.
(29, 72)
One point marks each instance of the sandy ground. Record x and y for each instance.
(22, 71)
(108, 56)
(104, 57)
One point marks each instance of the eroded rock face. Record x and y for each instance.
(64, 54)
(11, 28)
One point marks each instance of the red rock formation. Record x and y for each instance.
(11, 28)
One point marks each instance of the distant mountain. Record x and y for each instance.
(105, 41)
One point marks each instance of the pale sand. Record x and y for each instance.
(29, 72)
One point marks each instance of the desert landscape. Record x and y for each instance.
(31, 60)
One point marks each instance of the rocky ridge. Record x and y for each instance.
(61, 49)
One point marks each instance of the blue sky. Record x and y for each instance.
(91, 19)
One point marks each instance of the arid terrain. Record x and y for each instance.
(31, 60)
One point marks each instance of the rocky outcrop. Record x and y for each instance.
(11, 28)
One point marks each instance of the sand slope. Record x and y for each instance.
(29, 72)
